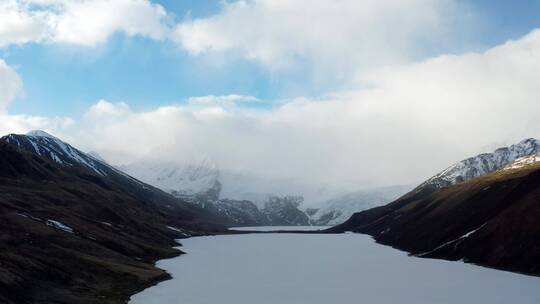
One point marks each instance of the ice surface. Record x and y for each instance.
(313, 269)
(279, 228)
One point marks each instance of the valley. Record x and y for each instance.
(69, 216)
(269, 152)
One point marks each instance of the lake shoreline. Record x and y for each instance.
(229, 248)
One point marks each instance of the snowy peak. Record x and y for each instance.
(48, 146)
(39, 133)
(178, 179)
(484, 163)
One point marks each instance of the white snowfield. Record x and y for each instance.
(523, 162)
(322, 269)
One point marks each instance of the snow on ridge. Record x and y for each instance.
(523, 162)
(40, 133)
(45, 144)
(483, 163)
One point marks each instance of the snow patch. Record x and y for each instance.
(459, 239)
(523, 162)
(58, 225)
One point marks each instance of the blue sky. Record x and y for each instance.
(65, 81)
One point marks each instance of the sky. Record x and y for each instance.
(344, 92)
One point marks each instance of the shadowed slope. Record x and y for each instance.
(491, 220)
(70, 235)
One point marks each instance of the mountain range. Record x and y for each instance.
(79, 230)
(251, 200)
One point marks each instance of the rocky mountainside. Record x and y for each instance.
(489, 220)
(482, 164)
(75, 230)
(202, 184)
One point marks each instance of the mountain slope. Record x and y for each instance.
(482, 164)
(79, 234)
(66, 156)
(490, 220)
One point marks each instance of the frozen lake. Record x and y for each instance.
(313, 269)
(277, 228)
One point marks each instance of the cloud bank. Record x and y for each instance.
(10, 85)
(399, 124)
(79, 22)
(344, 37)
(411, 122)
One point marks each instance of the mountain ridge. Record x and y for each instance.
(489, 220)
(71, 235)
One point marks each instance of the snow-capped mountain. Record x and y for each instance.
(225, 192)
(491, 220)
(337, 210)
(47, 146)
(340, 208)
(482, 164)
(180, 180)
(253, 200)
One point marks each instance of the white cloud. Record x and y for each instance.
(92, 22)
(411, 122)
(18, 26)
(21, 124)
(338, 36)
(401, 123)
(80, 22)
(10, 85)
(227, 101)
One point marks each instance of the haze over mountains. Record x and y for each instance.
(65, 207)
(279, 201)
(244, 199)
